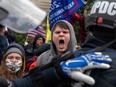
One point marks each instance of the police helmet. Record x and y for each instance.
(102, 14)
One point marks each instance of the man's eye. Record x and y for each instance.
(65, 32)
(57, 32)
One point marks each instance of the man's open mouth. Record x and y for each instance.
(61, 43)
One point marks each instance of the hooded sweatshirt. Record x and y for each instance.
(47, 56)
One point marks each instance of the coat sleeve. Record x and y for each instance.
(43, 58)
(38, 78)
(104, 78)
(39, 60)
(23, 82)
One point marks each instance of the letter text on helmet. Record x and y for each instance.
(112, 9)
(95, 7)
(104, 7)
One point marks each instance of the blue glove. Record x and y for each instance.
(74, 68)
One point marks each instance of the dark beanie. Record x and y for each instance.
(37, 37)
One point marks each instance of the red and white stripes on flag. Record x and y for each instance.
(41, 31)
(34, 32)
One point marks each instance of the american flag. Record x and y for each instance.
(34, 32)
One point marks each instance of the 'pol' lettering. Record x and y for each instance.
(104, 7)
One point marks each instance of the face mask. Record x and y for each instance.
(13, 67)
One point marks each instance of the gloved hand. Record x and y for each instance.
(74, 68)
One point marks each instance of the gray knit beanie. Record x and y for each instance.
(13, 50)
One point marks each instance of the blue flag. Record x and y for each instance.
(62, 9)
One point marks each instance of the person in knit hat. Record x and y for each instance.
(13, 63)
(32, 49)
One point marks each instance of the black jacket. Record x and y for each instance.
(106, 77)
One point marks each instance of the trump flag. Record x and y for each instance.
(62, 9)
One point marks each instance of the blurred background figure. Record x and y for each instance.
(10, 35)
(13, 63)
(78, 18)
(32, 49)
(35, 38)
(32, 62)
(3, 39)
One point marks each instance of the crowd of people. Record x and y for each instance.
(60, 63)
